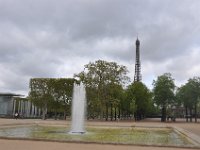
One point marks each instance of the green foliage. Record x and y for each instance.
(189, 95)
(182, 96)
(104, 81)
(164, 92)
(52, 94)
(193, 88)
(139, 98)
(106, 96)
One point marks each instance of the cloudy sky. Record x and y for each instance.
(56, 38)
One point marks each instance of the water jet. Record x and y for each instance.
(78, 109)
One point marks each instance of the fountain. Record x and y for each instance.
(78, 109)
(132, 135)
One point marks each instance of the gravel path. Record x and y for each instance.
(39, 145)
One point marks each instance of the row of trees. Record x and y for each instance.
(109, 97)
(188, 95)
(169, 97)
(52, 95)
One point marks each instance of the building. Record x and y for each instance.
(137, 76)
(6, 104)
(11, 103)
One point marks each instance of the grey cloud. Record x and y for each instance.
(39, 38)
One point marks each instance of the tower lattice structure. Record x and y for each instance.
(137, 76)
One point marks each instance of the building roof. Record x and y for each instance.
(9, 94)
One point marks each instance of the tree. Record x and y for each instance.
(53, 94)
(189, 95)
(115, 94)
(194, 93)
(62, 93)
(163, 89)
(139, 98)
(100, 79)
(40, 94)
(182, 99)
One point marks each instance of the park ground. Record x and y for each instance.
(191, 129)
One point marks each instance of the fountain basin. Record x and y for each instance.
(106, 135)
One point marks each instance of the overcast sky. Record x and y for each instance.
(56, 38)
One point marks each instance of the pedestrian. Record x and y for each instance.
(16, 115)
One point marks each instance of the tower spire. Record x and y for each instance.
(137, 76)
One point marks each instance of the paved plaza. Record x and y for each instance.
(191, 129)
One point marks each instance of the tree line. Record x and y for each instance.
(52, 95)
(111, 96)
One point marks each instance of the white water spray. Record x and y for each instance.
(78, 109)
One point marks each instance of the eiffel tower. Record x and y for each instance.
(137, 76)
